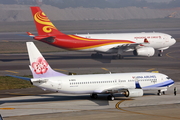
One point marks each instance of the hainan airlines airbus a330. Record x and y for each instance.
(129, 84)
(142, 44)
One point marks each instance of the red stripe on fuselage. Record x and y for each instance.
(73, 42)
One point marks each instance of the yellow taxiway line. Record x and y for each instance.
(11, 71)
(119, 108)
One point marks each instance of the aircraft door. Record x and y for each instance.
(166, 40)
(59, 85)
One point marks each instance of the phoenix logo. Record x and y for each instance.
(42, 19)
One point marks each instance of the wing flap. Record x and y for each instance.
(131, 46)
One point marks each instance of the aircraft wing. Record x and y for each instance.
(131, 46)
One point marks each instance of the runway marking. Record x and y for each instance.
(61, 70)
(7, 108)
(4, 40)
(167, 54)
(105, 69)
(22, 94)
(151, 69)
(46, 102)
(119, 108)
(11, 71)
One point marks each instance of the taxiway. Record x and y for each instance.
(35, 104)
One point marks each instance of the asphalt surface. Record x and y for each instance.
(57, 106)
(82, 63)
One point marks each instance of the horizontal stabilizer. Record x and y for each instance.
(30, 34)
(24, 78)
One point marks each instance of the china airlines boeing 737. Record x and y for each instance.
(129, 84)
(142, 44)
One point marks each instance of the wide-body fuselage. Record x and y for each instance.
(106, 42)
(142, 44)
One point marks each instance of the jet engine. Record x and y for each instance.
(144, 51)
(134, 93)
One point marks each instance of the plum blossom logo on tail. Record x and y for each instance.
(40, 66)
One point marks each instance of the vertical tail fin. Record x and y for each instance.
(43, 25)
(38, 65)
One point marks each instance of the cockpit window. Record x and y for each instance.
(172, 38)
(168, 78)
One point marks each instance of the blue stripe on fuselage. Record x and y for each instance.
(163, 84)
(137, 85)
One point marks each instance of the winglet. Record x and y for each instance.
(38, 65)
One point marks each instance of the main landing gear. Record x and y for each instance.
(161, 92)
(118, 56)
(97, 55)
(94, 96)
(109, 97)
(160, 54)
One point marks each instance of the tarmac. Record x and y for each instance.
(56, 106)
(35, 104)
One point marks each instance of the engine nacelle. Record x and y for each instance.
(134, 93)
(144, 51)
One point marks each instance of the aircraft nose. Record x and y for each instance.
(173, 41)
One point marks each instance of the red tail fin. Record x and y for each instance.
(43, 25)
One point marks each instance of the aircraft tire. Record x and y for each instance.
(94, 96)
(160, 55)
(159, 93)
(110, 97)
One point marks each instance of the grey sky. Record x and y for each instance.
(159, 1)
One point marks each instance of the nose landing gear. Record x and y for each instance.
(160, 53)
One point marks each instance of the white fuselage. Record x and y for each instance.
(99, 83)
(159, 41)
